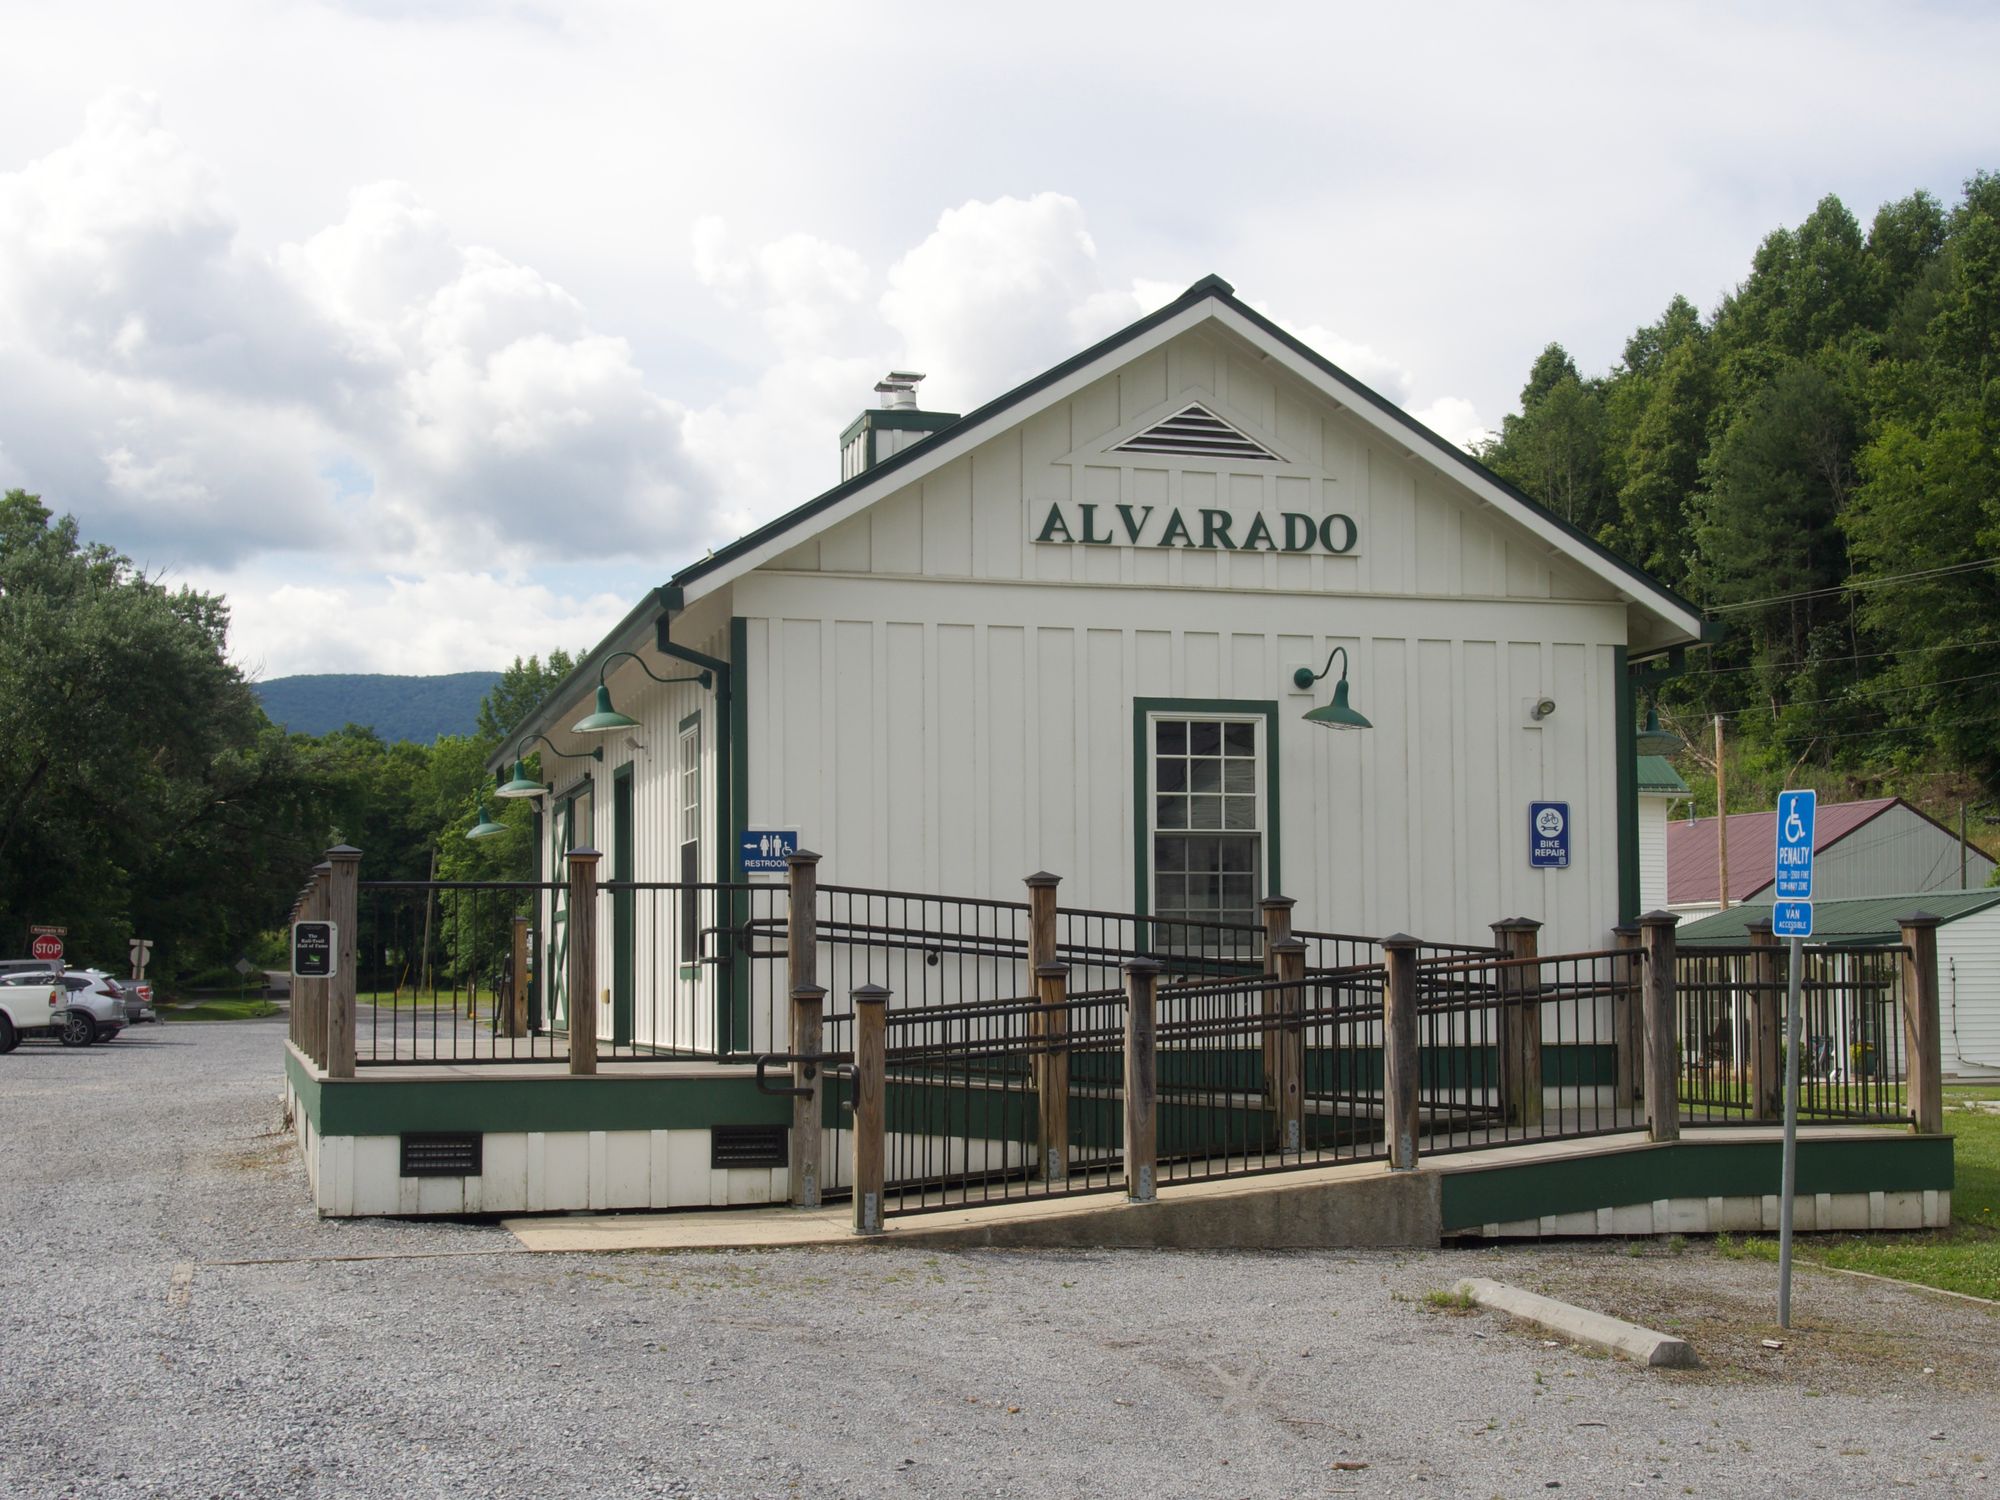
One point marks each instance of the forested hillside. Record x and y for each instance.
(1817, 462)
(418, 709)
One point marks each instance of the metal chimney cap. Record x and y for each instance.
(898, 389)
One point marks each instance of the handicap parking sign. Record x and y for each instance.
(1794, 870)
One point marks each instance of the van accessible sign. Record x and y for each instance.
(1200, 530)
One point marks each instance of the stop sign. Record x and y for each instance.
(47, 947)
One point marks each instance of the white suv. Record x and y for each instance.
(89, 1009)
(31, 1004)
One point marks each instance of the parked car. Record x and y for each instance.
(31, 1004)
(138, 997)
(96, 992)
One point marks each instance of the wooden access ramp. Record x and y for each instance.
(1725, 1179)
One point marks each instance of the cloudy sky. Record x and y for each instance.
(434, 332)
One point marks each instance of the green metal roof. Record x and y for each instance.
(1862, 919)
(1658, 776)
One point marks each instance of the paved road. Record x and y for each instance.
(177, 1323)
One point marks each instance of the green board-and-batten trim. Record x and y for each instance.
(396, 1106)
(1692, 1168)
(1626, 779)
(733, 997)
(1142, 821)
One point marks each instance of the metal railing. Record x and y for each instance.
(1531, 1048)
(1729, 1029)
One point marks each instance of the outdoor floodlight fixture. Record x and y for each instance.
(1541, 708)
(606, 718)
(1334, 715)
(521, 785)
(1653, 740)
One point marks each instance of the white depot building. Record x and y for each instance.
(1080, 630)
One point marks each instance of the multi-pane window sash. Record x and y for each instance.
(1207, 815)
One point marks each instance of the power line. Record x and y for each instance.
(1913, 687)
(1835, 661)
(1855, 585)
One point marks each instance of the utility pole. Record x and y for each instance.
(430, 901)
(1961, 846)
(1721, 821)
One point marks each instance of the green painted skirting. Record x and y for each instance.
(1691, 1169)
(393, 1106)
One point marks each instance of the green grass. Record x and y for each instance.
(1963, 1258)
(219, 1010)
(441, 1000)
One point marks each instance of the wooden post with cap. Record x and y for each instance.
(1923, 1054)
(583, 960)
(1518, 939)
(871, 1004)
(1663, 1100)
(1041, 954)
(343, 887)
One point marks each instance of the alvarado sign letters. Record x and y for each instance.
(1203, 530)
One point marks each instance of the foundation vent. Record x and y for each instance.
(453, 1155)
(1196, 432)
(747, 1146)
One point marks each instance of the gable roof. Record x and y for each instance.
(1692, 876)
(1862, 919)
(1658, 778)
(1211, 297)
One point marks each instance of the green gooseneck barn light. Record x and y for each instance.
(485, 828)
(1335, 715)
(606, 718)
(521, 785)
(1653, 740)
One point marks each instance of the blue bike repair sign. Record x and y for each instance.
(1548, 835)
(1794, 872)
(766, 849)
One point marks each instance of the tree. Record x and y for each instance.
(521, 689)
(148, 793)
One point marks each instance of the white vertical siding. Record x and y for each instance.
(1653, 852)
(1009, 710)
(1969, 991)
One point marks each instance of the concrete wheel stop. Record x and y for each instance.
(1613, 1335)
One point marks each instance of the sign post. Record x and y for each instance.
(1792, 919)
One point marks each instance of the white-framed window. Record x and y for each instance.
(687, 832)
(1206, 809)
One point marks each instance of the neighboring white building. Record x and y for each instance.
(1660, 787)
(1968, 944)
(1060, 633)
(1879, 847)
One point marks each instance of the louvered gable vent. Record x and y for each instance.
(1196, 432)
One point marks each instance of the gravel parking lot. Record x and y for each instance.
(178, 1323)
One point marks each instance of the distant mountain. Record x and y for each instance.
(397, 708)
